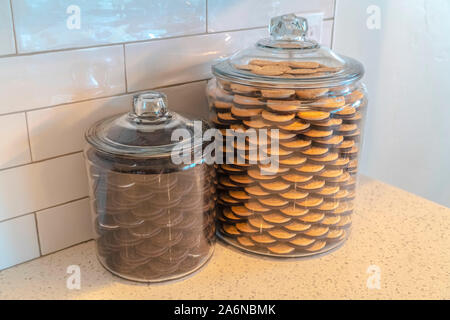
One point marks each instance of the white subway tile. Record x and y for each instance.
(327, 33)
(166, 62)
(225, 15)
(60, 130)
(315, 25)
(18, 241)
(30, 82)
(14, 148)
(103, 22)
(63, 226)
(189, 99)
(7, 45)
(41, 185)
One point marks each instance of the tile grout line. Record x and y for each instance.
(80, 151)
(51, 207)
(98, 98)
(334, 22)
(47, 254)
(125, 68)
(40, 161)
(206, 16)
(13, 26)
(125, 43)
(28, 135)
(332, 35)
(100, 45)
(37, 233)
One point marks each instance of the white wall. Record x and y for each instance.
(407, 140)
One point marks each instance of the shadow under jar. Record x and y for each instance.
(292, 113)
(153, 218)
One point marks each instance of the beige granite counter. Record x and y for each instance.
(406, 237)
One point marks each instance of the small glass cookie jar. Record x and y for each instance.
(153, 216)
(291, 115)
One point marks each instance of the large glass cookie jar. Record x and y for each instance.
(291, 115)
(153, 215)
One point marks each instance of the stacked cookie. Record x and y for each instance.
(152, 226)
(304, 204)
(287, 69)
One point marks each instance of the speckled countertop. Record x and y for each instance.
(405, 237)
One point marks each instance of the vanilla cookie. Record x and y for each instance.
(346, 112)
(310, 168)
(318, 245)
(258, 123)
(313, 115)
(283, 107)
(245, 241)
(296, 145)
(330, 124)
(329, 103)
(277, 93)
(310, 93)
(241, 89)
(346, 129)
(313, 217)
(272, 70)
(281, 234)
(241, 211)
(317, 231)
(222, 107)
(304, 64)
(242, 180)
(278, 119)
(295, 127)
(315, 152)
(292, 162)
(263, 239)
(302, 242)
(227, 118)
(230, 230)
(300, 71)
(248, 102)
(293, 211)
(310, 203)
(329, 142)
(256, 207)
(297, 178)
(274, 202)
(281, 248)
(244, 114)
(256, 191)
(313, 133)
(260, 224)
(276, 218)
(293, 195)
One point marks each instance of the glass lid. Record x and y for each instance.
(289, 59)
(150, 130)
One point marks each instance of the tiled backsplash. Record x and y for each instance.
(57, 80)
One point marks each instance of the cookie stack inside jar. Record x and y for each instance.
(310, 104)
(154, 216)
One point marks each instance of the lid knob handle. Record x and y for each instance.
(150, 105)
(288, 27)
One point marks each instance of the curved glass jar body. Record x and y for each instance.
(290, 194)
(153, 220)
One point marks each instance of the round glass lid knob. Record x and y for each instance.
(288, 27)
(151, 105)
